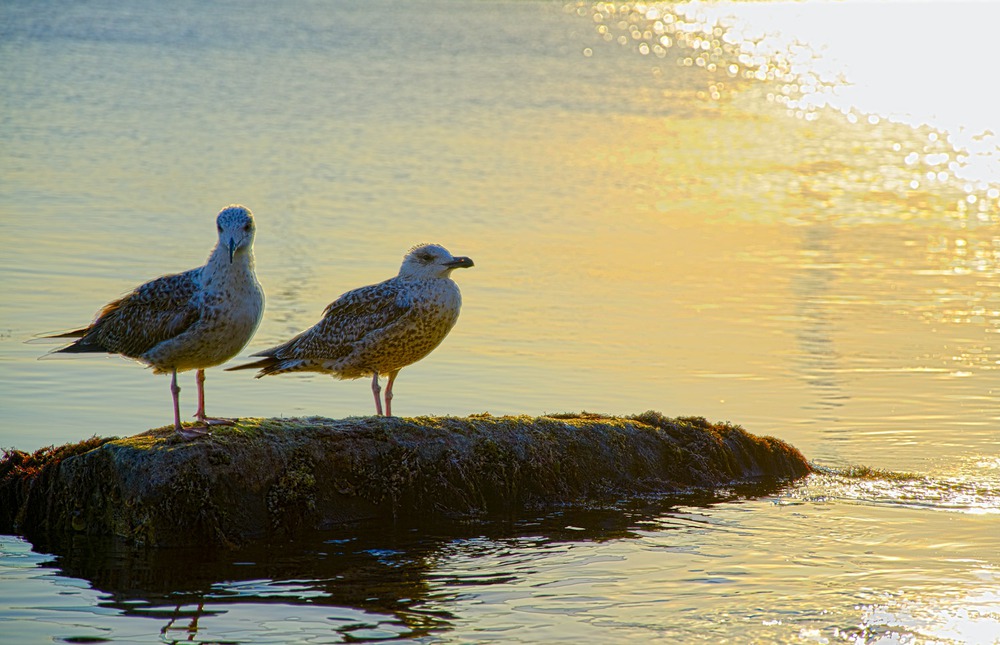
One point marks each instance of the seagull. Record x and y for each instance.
(192, 320)
(378, 329)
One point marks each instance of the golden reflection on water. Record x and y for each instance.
(734, 58)
(666, 217)
(961, 618)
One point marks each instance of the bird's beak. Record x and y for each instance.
(460, 263)
(232, 249)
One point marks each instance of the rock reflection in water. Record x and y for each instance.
(368, 582)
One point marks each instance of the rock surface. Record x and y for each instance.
(272, 478)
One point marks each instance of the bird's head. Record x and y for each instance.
(429, 261)
(236, 229)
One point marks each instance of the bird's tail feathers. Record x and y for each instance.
(53, 336)
(82, 345)
(266, 365)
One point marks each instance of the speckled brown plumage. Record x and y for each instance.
(378, 329)
(191, 320)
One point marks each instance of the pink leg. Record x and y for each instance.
(199, 378)
(200, 413)
(376, 390)
(388, 393)
(175, 390)
(183, 433)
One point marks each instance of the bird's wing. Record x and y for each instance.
(156, 311)
(349, 319)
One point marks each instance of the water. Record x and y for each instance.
(782, 215)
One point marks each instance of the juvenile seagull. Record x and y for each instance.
(192, 320)
(378, 329)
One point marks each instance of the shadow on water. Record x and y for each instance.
(386, 578)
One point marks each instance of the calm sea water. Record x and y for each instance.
(781, 215)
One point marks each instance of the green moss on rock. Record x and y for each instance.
(274, 477)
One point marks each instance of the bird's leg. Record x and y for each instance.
(183, 433)
(175, 390)
(199, 379)
(388, 393)
(376, 390)
(200, 413)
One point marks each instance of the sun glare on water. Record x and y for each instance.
(867, 62)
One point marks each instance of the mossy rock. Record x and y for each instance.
(271, 478)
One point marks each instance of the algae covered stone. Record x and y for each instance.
(268, 478)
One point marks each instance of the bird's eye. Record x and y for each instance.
(246, 227)
(426, 257)
(219, 227)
